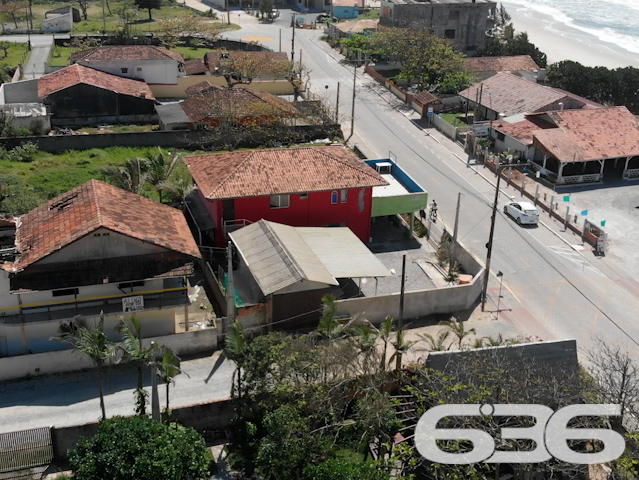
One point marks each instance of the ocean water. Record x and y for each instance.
(612, 21)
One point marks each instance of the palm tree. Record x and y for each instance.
(131, 176)
(401, 347)
(178, 186)
(329, 327)
(438, 342)
(168, 369)
(365, 336)
(160, 170)
(458, 329)
(235, 345)
(92, 343)
(134, 350)
(385, 330)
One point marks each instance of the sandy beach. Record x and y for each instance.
(560, 42)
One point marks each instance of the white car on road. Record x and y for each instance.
(525, 213)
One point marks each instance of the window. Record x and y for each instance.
(449, 33)
(334, 197)
(280, 201)
(65, 292)
(303, 196)
(344, 195)
(124, 70)
(500, 136)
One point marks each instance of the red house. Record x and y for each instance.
(300, 187)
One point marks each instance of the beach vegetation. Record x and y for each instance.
(606, 86)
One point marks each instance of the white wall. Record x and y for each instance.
(25, 91)
(98, 245)
(151, 71)
(70, 360)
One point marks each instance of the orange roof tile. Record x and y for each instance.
(501, 64)
(424, 98)
(125, 53)
(94, 204)
(255, 173)
(195, 67)
(523, 131)
(76, 74)
(201, 87)
(591, 134)
(267, 61)
(236, 102)
(509, 94)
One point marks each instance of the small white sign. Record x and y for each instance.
(430, 112)
(133, 304)
(481, 129)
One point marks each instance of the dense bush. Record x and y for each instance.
(142, 449)
(339, 469)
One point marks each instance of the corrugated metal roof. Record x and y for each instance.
(278, 257)
(342, 253)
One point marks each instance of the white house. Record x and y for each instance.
(152, 64)
(94, 249)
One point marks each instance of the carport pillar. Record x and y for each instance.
(411, 231)
(545, 160)
(560, 172)
(602, 162)
(625, 168)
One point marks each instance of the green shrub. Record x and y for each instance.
(339, 469)
(140, 448)
(23, 153)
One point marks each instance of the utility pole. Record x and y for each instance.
(451, 261)
(280, 40)
(155, 399)
(353, 107)
(228, 11)
(300, 61)
(400, 323)
(103, 19)
(337, 105)
(230, 289)
(489, 245)
(293, 40)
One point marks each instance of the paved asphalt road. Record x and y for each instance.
(552, 288)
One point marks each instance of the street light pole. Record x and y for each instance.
(293, 41)
(489, 245)
(500, 275)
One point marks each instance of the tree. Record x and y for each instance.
(437, 343)
(616, 377)
(458, 329)
(132, 176)
(266, 8)
(340, 469)
(425, 59)
(172, 29)
(148, 5)
(84, 6)
(402, 346)
(168, 369)
(159, 169)
(140, 448)
(13, 10)
(92, 343)
(385, 330)
(179, 185)
(134, 351)
(235, 346)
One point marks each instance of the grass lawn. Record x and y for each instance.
(140, 23)
(60, 55)
(52, 174)
(16, 54)
(455, 119)
(372, 14)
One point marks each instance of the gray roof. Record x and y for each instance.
(342, 253)
(171, 113)
(278, 257)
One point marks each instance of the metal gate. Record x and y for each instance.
(20, 452)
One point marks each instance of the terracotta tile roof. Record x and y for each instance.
(76, 74)
(501, 64)
(125, 53)
(195, 67)
(266, 60)
(201, 87)
(255, 173)
(523, 131)
(357, 26)
(78, 212)
(234, 102)
(591, 134)
(424, 98)
(509, 94)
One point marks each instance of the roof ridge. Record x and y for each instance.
(292, 265)
(367, 171)
(98, 207)
(233, 172)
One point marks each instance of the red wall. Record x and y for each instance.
(315, 211)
